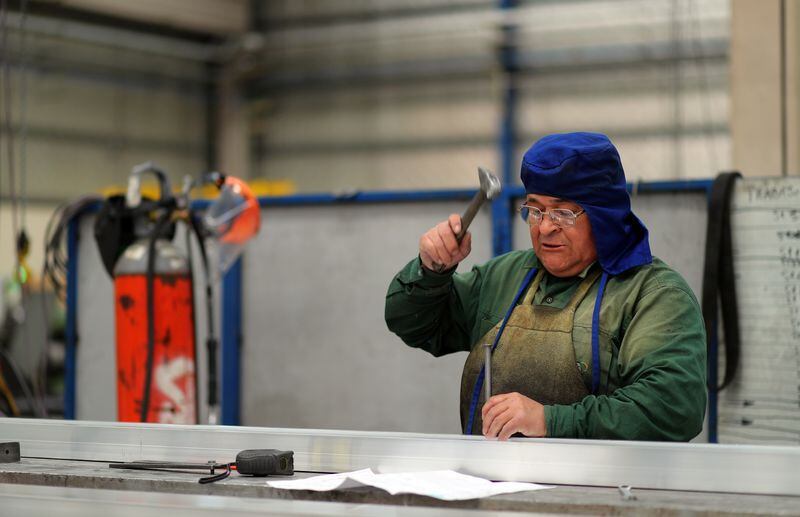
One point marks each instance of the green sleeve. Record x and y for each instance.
(434, 312)
(662, 366)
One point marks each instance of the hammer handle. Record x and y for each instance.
(469, 213)
(466, 219)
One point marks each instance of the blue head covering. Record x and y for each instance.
(585, 168)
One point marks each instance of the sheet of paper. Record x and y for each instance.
(441, 484)
(323, 483)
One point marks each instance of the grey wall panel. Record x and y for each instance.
(316, 350)
(96, 397)
(677, 224)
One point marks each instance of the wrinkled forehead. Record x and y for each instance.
(551, 201)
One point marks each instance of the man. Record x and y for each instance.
(593, 337)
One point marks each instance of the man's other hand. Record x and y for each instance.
(438, 247)
(510, 413)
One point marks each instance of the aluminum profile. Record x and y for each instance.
(672, 466)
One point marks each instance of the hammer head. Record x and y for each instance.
(490, 185)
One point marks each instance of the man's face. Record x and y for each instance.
(563, 251)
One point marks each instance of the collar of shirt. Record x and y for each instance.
(556, 291)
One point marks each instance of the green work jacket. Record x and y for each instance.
(652, 340)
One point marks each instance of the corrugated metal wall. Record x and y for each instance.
(366, 95)
(94, 106)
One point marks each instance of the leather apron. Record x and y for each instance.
(535, 356)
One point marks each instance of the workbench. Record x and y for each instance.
(64, 471)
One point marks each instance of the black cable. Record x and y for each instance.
(20, 204)
(5, 393)
(216, 477)
(20, 380)
(719, 285)
(166, 466)
(190, 264)
(40, 382)
(54, 270)
(161, 224)
(23, 111)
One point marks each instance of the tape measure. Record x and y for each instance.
(249, 462)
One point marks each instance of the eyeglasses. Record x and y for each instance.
(561, 217)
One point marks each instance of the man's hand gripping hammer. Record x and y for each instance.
(489, 188)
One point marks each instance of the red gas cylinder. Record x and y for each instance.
(173, 374)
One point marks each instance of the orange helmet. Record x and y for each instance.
(233, 219)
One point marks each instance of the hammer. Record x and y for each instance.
(490, 187)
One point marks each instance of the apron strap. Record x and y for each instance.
(476, 392)
(534, 286)
(596, 334)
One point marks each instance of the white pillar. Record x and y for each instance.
(765, 110)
